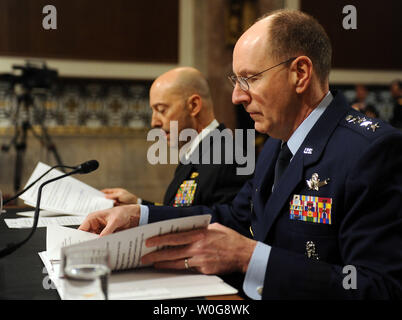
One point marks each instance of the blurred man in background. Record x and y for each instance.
(396, 94)
(361, 104)
(183, 95)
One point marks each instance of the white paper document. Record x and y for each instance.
(21, 223)
(126, 249)
(42, 213)
(67, 195)
(148, 283)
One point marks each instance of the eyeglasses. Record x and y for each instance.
(243, 81)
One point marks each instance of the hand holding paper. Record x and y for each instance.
(213, 250)
(108, 221)
(126, 247)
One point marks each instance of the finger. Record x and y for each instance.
(175, 264)
(168, 254)
(108, 229)
(88, 224)
(176, 239)
(107, 190)
(110, 196)
(85, 226)
(95, 221)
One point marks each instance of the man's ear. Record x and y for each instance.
(302, 73)
(194, 104)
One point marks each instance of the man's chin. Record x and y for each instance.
(260, 127)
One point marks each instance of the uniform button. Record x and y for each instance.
(259, 290)
(256, 189)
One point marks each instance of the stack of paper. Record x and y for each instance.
(126, 249)
(21, 223)
(65, 196)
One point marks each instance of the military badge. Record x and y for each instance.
(311, 251)
(194, 175)
(362, 122)
(311, 209)
(185, 195)
(315, 184)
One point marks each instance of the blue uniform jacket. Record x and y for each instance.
(361, 161)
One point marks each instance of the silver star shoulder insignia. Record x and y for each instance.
(365, 123)
(315, 183)
(352, 119)
(362, 122)
(374, 127)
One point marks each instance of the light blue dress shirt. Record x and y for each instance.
(255, 275)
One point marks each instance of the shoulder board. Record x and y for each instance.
(362, 124)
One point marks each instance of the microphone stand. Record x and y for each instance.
(11, 247)
(20, 136)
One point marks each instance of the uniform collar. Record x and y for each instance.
(304, 128)
(195, 143)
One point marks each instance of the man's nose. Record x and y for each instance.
(240, 96)
(156, 122)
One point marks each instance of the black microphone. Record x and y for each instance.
(86, 167)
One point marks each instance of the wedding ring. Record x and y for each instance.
(186, 263)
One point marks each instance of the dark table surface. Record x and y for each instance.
(22, 273)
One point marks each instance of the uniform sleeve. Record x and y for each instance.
(369, 238)
(228, 184)
(146, 202)
(234, 215)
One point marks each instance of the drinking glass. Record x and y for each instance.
(86, 272)
(1, 203)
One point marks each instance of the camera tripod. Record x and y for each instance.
(19, 140)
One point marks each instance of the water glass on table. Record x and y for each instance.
(1, 203)
(86, 272)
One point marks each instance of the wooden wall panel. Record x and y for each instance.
(375, 44)
(121, 30)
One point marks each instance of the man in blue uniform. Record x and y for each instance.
(327, 188)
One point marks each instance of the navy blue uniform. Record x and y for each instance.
(354, 219)
(212, 183)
